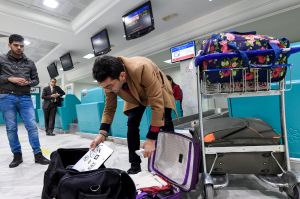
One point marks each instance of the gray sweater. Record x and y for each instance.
(23, 67)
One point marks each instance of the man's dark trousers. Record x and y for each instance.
(49, 115)
(133, 134)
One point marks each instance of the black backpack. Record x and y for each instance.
(63, 183)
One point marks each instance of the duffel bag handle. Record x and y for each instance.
(276, 51)
(244, 33)
(245, 58)
(243, 55)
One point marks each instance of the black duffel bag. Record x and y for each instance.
(63, 183)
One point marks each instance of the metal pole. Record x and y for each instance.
(283, 124)
(199, 96)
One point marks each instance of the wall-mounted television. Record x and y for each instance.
(52, 70)
(66, 62)
(100, 43)
(183, 52)
(139, 21)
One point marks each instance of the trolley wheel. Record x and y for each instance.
(294, 193)
(208, 191)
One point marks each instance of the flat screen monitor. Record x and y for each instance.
(183, 52)
(139, 21)
(52, 70)
(100, 43)
(66, 62)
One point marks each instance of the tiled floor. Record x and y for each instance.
(26, 181)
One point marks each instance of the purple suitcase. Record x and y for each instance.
(176, 159)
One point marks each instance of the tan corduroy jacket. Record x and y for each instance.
(148, 85)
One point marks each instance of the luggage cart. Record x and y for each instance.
(286, 180)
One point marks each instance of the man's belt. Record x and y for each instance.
(13, 92)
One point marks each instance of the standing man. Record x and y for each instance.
(140, 83)
(52, 96)
(17, 74)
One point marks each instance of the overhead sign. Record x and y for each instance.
(183, 52)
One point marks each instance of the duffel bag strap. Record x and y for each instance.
(244, 33)
(242, 54)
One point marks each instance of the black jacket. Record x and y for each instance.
(24, 67)
(46, 96)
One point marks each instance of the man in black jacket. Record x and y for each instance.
(17, 74)
(52, 96)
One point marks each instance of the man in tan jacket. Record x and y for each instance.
(140, 83)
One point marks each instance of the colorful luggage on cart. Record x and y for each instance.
(176, 159)
(236, 68)
(228, 150)
(232, 132)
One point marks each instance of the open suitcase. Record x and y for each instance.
(176, 159)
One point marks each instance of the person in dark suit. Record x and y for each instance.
(52, 96)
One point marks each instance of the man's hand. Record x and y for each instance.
(149, 147)
(18, 80)
(55, 95)
(98, 139)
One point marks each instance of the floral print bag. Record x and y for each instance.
(227, 69)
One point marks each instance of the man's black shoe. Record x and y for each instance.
(134, 169)
(16, 161)
(50, 134)
(40, 159)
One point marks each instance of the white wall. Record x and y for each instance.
(189, 88)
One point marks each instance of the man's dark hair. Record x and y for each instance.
(107, 66)
(15, 37)
(170, 79)
(53, 79)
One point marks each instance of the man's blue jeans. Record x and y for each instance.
(10, 106)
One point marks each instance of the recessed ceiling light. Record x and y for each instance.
(209, 0)
(26, 42)
(61, 69)
(95, 81)
(168, 61)
(89, 56)
(50, 3)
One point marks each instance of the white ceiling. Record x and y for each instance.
(195, 20)
(67, 9)
(37, 50)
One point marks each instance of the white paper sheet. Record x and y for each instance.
(93, 159)
(146, 179)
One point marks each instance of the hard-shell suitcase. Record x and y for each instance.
(239, 132)
(233, 131)
(176, 159)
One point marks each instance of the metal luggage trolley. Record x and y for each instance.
(288, 180)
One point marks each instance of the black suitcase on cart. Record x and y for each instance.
(241, 132)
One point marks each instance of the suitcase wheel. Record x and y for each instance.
(294, 192)
(208, 191)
